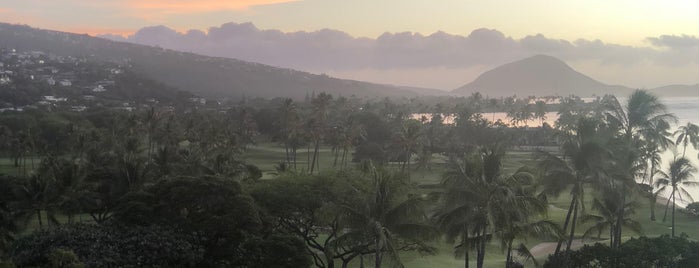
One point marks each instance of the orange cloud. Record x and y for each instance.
(192, 6)
(94, 31)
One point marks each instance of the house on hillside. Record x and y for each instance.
(4, 79)
(65, 83)
(99, 88)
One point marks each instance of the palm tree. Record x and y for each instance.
(479, 201)
(318, 124)
(407, 141)
(678, 176)
(381, 216)
(287, 120)
(608, 208)
(687, 134)
(640, 119)
(540, 110)
(580, 165)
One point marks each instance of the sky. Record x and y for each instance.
(429, 43)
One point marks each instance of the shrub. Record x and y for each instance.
(106, 245)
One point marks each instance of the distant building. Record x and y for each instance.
(201, 101)
(65, 83)
(54, 99)
(78, 108)
(99, 88)
(89, 97)
(5, 80)
(50, 81)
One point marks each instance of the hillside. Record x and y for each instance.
(201, 75)
(537, 76)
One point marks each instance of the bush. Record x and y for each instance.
(640, 252)
(106, 246)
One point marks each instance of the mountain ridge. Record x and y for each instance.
(211, 77)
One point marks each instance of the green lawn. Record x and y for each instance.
(267, 155)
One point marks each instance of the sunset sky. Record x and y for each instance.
(655, 26)
(624, 22)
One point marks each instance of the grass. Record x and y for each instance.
(267, 155)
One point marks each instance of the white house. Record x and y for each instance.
(99, 88)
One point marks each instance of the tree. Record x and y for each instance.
(687, 134)
(480, 201)
(318, 124)
(540, 111)
(640, 119)
(407, 141)
(608, 207)
(581, 165)
(288, 123)
(383, 216)
(214, 208)
(678, 176)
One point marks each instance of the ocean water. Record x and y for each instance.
(687, 110)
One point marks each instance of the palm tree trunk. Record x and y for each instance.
(565, 224)
(344, 154)
(337, 155)
(572, 226)
(481, 249)
(667, 205)
(620, 218)
(508, 260)
(464, 244)
(308, 157)
(293, 151)
(377, 261)
(286, 153)
(673, 214)
(315, 161)
(653, 200)
(38, 216)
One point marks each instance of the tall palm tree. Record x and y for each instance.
(287, 119)
(480, 201)
(687, 134)
(318, 124)
(380, 215)
(640, 118)
(580, 165)
(678, 176)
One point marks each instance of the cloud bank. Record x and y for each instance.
(335, 51)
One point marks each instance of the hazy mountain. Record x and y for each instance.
(537, 76)
(677, 90)
(201, 75)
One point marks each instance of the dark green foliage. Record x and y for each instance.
(213, 208)
(107, 246)
(693, 208)
(64, 259)
(664, 251)
(282, 251)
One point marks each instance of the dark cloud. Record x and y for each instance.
(327, 50)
